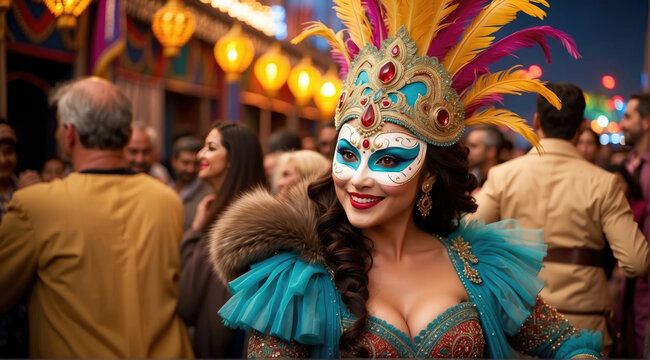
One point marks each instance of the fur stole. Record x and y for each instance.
(258, 225)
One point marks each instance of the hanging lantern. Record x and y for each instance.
(66, 11)
(327, 97)
(272, 69)
(234, 53)
(173, 26)
(5, 5)
(304, 81)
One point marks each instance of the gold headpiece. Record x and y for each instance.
(397, 77)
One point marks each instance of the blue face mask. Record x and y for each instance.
(389, 158)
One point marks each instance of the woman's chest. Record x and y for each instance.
(456, 333)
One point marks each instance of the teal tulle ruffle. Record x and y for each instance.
(509, 259)
(307, 309)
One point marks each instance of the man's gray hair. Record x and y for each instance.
(101, 117)
(492, 137)
(147, 129)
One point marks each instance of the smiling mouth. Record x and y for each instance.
(203, 166)
(364, 201)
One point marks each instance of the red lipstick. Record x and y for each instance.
(368, 200)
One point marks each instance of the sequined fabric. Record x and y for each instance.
(265, 346)
(456, 333)
(544, 331)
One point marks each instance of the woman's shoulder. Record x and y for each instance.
(290, 299)
(258, 225)
(498, 264)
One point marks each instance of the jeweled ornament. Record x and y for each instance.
(368, 116)
(443, 117)
(387, 72)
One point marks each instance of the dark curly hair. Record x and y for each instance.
(347, 251)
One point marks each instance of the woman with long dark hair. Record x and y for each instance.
(231, 162)
(375, 259)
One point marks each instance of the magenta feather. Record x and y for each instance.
(374, 14)
(457, 20)
(485, 101)
(342, 61)
(353, 49)
(507, 46)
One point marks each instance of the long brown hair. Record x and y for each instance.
(246, 170)
(347, 252)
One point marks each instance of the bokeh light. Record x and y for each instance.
(608, 82)
(604, 139)
(603, 121)
(534, 71)
(595, 127)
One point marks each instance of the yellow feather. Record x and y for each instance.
(353, 16)
(318, 28)
(415, 15)
(500, 117)
(392, 16)
(442, 9)
(510, 81)
(477, 35)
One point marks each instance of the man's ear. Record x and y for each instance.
(536, 124)
(70, 136)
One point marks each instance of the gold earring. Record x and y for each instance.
(424, 203)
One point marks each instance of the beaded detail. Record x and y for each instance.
(455, 333)
(462, 247)
(544, 326)
(265, 346)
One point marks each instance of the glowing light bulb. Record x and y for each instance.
(271, 71)
(603, 121)
(328, 89)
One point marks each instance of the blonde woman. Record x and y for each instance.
(294, 166)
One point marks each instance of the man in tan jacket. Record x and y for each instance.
(98, 250)
(578, 206)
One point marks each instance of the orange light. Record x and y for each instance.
(327, 97)
(613, 128)
(66, 11)
(304, 81)
(534, 71)
(272, 69)
(595, 127)
(234, 53)
(608, 82)
(173, 25)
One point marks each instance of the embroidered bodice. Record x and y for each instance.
(293, 308)
(456, 333)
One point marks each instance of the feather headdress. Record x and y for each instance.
(424, 63)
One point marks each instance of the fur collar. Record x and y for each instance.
(258, 225)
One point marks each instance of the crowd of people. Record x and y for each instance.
(390, 233)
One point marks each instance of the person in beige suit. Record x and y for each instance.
(577, 205)
(97, 251)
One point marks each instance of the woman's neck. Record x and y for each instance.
(397, 238)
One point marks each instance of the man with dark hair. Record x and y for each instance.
(577, 205)
(326, 135)
(635, 125)
(188, 186)
(484, 143)
(97, 252)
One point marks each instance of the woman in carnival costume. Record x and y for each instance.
(374, 259)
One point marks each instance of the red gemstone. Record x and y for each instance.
(368, 117)
(385, 103)
(425, 107)
(364, 101)
(366, 144)
(341, 99)
(395, 50)
(387, 72)
(443, 117)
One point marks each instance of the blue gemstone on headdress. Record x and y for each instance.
(378, 95)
